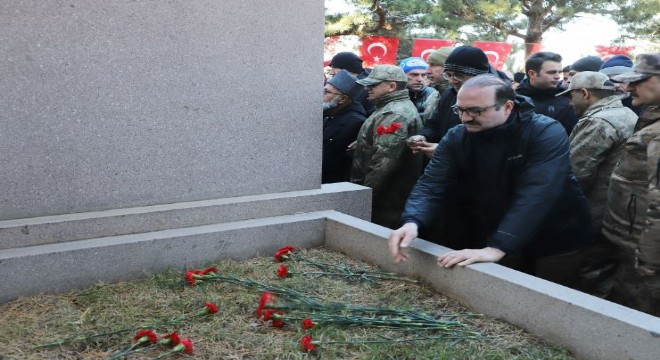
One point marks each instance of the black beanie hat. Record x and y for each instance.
(467, 60)
(348, 61)
(589, 63)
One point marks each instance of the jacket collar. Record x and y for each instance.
(393, 96)
(648, 117)
(609, 102)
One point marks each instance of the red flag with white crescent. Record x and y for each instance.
(497, 52)
(378, 50)
(606, 52)
(423, 47)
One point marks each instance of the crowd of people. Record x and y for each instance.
(554, 172)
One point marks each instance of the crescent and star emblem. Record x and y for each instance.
(379, 45)
(494, 54)
(426, 53)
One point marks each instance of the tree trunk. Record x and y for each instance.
(534, 34)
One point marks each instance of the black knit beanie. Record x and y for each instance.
(589, 63)
(468, 60)
(348, 61)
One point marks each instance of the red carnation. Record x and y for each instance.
(209, 270)
(188, 346)
(283, 253)
(171, 339)
(278, 319)
(380, 130)
(267, 297)
(211, 308)
(393, 127)
(307, 344)
(307, 324)
(282, 271)
(267, 315)
(185, 346)
(145, 335)
(191, 278)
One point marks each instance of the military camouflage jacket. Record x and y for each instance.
(433, 100)
(382, 161)
(596, 143)
(633, 215)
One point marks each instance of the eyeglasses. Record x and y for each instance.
(326, 92)
(457, 77)
(473, 112)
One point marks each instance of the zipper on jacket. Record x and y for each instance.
(632, 208)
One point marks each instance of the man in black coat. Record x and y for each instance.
(543, 83)
(463, 63)
(353, 64)
(513, 167)
(342, 119)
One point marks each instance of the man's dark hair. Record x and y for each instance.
(536, 60)
(401, 85)
(503, 92)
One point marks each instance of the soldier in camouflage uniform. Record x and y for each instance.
(632, 220)
(596, 143)
(382, 161)
(436, 62)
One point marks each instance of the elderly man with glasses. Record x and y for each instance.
(632, 220)
(343, 116)
(512, 171)
(463, 63)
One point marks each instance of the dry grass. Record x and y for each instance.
(235, 332)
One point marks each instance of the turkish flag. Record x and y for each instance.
(497, 52)
(378, 50)
(606, 52)
(423, 47)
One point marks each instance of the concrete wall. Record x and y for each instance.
(590, 327)
(123, 103)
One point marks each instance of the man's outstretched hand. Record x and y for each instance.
(469, 256)
(401, 238)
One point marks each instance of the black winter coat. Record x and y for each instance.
(546, 103)
(515, 181)
(443, 118)
(420, 98)
(339, 130)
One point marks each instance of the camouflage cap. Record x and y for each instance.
(438, 57)
(646, 65)
(382, 73)
(589, 80)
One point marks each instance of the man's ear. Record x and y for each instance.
(531, 74)
(585, 93)
(343, 99)
(391, 86)
(508, 107)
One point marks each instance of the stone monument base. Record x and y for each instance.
(590, 327)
